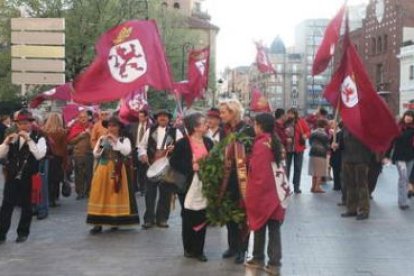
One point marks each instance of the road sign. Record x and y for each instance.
(38, 51)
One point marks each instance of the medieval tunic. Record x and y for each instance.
(263, 206)
(262, 202)
(112, 200)
(22, 163)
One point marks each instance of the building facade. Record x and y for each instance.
(407, 72)
(308, 38)
(379, 41)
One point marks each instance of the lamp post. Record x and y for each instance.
(187, 46)
(219, 82)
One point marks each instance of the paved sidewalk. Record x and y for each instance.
(316, 241)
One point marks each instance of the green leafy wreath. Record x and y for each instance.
(220, 212)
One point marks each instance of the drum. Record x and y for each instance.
(158, 169)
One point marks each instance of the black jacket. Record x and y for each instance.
(403, 146)
(182, 158)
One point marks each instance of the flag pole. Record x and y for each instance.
(338, 105)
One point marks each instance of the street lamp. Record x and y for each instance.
(187, 46)
(219, 82)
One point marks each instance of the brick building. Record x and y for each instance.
(378, 42)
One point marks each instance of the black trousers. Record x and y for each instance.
(162, 212)
(297, 158)
(193, 241)
(374, 171)
(274, 246)
(237, 241)
(16, 193)
(141, 176)
(337, 177)
(55, 177)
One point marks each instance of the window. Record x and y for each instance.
(385, 43)
(411, 72)
(379, 75)
(294, 79)
(176, 5)
(294, 68)
(373, 46)
(379, 45)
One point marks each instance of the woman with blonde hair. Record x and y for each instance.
(56, 134)
(234, 183)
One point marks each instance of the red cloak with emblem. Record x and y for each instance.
(262, 201)
(129, 56)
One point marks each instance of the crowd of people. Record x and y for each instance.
(109, 161)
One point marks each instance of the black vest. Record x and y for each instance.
(21, 160)
(170, 132)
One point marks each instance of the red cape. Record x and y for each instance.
(262, 202)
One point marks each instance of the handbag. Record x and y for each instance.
(282, 185)
(195, 199)
(66, 189)
(173, 177)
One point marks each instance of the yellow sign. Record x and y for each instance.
(38, 51)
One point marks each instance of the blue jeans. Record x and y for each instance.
(297, 158)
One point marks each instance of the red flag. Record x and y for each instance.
(129, 56)
(363, 112)
(61, 92)
(262, 60)
(198, 69)
(259, 103)
(327, 48)
(132, 104)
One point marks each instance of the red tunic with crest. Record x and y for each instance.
(262, 202)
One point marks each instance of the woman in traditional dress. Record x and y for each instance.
(184, 159)
(263, 206)
(112, 200)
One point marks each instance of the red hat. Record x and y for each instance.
(214, 112)
(24, 115)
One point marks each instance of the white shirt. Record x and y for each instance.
(124, 147)
(143, 145)
(144, 126)
(214, 135)
(37, 149)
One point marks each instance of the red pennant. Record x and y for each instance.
(129, 56)
(262, 60)
(259, 103)
(132, 104)
(330, 39)
(61, 92)
(362, 110)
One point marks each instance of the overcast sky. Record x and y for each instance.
(243, 21)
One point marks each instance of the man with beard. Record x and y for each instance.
(158, 142)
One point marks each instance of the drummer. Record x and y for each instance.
(158, 142)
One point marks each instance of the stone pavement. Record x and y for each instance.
(316, 241)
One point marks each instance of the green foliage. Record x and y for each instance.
(220, 211)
